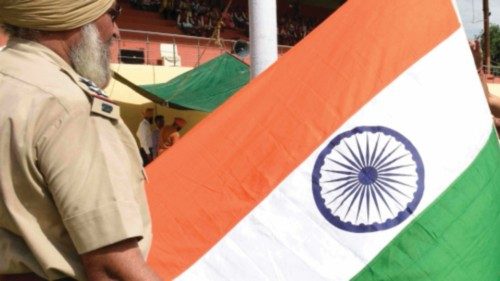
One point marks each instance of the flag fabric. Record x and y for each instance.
(367, 152)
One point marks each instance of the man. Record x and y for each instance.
(169, 135)
(145, 136)
(72, 203)
(494, 103)
(159, 124)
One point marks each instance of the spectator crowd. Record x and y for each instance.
(201, 17)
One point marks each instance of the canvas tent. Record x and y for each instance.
(132, 104)
(203, 88)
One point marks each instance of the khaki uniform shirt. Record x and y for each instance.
(71, 179)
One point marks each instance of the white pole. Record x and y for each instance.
(263, 35)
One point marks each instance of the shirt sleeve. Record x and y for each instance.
(142, 135)
(93, 178)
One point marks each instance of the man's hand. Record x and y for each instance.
(120, 261)
(475, 48)
(494, 103)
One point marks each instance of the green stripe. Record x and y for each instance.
(457, 237)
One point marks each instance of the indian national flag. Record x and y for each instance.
(367, 152)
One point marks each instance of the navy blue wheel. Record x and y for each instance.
(368, 179)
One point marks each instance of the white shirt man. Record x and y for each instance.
(145, 136)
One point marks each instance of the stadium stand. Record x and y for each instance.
(145, 31)
(200, 17)
(186, 24)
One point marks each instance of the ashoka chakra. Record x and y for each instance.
(368, 179)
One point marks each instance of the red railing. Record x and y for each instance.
(156, 48)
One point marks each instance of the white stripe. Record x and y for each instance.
(438, 104)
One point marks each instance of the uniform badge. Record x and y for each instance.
(91, 86)
(105, 107)
(100, 103)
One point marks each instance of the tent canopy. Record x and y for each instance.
(203, 88)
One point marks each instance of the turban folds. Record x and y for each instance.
(52, 15)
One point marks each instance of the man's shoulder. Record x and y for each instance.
(40, 79)
(144, 123)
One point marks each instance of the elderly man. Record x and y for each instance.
(72, 203)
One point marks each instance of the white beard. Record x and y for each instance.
(90, 57)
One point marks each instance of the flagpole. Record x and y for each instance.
(263, 35)
(486, 38)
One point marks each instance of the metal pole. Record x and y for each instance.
(486, 38)
(174, 47)
(198, 55)
(263, 35)
(147, 50)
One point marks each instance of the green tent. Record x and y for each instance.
(203, 88)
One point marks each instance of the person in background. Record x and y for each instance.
(159, 124)
(169, 135)
(72, 200)
(494, 103)
(167, 9)
(144, 134)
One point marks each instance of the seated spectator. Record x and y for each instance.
(209, 26)
(185, 22)
(195, 7)
(228, 20)
(146, 5)
(135, 3)
(200, 25)
(184, 5)
(167, 9)
(303, 29)
(204, 7)
(282, 35)
(214, 14)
